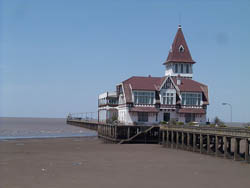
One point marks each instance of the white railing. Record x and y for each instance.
(83, 116)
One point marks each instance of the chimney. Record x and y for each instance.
(178, 80)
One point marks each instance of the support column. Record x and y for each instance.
(188, 141)
(208, 144)
(225, 145)
(229, 145)
(167, 139)
(177, 140)
(194, 142)
(128, 133)
(236, 148)
(246, 150)
(201, 143)
(183, 140)
(115, 132)
(163, 139)
(172, 140)
(216, 145)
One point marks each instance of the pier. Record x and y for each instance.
(121, 134)
(228, 142)
(232, 143)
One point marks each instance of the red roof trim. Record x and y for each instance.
(144, 109)
(192, 110)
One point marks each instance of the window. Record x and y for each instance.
(193, 99)
(145, 97)
(168, 84)
(181, 68)
(142, 116)
(112, 101)
(168, 98)
(187, 68)
(102, 101)
(181, 49)
(176, 68)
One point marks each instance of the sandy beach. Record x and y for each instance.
(88, 162)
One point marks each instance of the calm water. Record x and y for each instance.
(13, 128)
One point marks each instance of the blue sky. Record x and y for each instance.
(57, 56)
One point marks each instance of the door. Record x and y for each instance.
(166, 117)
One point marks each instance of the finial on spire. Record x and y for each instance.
(179, 20)
(179, 26)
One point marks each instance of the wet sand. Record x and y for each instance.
(87, 162)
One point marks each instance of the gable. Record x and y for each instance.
(169, 83)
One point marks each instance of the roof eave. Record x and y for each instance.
(177, 61)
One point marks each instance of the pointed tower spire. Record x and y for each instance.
(179, 60)
(179, 50)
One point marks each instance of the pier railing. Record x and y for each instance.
(83, 116)
(226, 131)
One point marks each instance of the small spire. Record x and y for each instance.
(179, 26)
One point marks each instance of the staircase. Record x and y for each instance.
(133, 137)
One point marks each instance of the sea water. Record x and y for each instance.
(15, 128)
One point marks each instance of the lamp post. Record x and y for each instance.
(224, 103)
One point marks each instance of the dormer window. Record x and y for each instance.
(181, 49)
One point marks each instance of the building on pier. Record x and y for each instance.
(150, 100)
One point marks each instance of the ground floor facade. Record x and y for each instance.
(125, 115)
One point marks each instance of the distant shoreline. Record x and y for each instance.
(43, 137)
(33, 117)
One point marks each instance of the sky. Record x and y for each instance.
(57, 56)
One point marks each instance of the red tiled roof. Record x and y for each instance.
(144, 109)
(192, 110)
(189, 85)
(154, 83)
(144, 83)
(140, 83)
(174, 54)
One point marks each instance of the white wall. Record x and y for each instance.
(102, 115)
(173, 115)
(201, 118)
(170, 71)
(181, 118)
(198, 118)
(126, 117)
